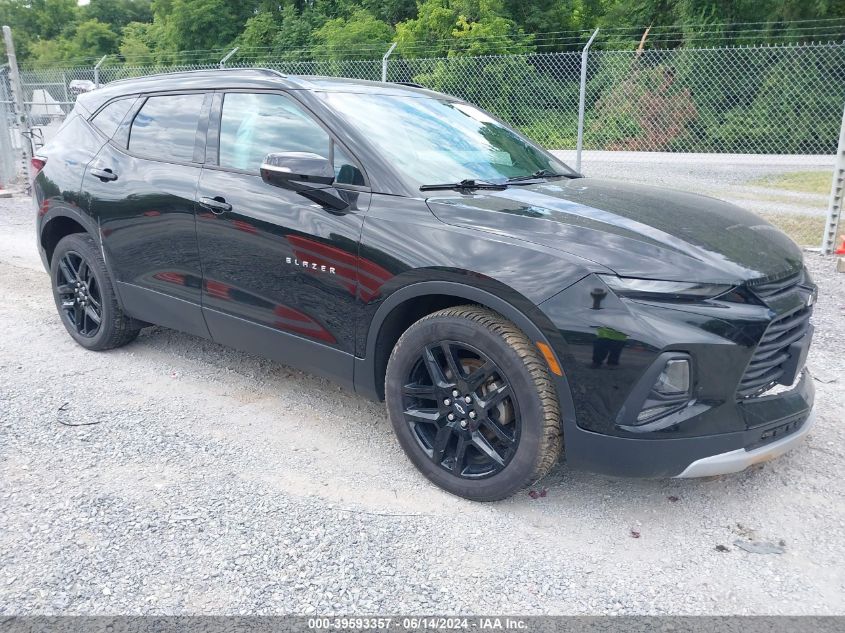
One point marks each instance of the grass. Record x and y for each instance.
(806, 230)
(799, 181)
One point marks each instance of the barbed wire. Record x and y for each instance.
(821, 29)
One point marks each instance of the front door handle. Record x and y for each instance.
(106, 175)
(216, 204)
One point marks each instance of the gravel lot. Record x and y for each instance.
(209, 481)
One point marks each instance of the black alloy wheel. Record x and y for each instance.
(461, 410)
(81, 302)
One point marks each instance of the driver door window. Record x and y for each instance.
(253, 125)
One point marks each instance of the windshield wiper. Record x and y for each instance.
(465, 185)
(542, 173)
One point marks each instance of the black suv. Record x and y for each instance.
(414, 248)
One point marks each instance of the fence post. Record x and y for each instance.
(222, 62)
(8, 168)
(21, 118)
(384, 62)
(582, 100)
(837, 195)
(97, 71)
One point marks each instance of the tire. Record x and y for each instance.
(513, 407)
(78, 274)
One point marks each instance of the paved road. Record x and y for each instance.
(210, 481)
(731, 177)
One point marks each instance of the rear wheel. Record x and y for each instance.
(85, 297)
(472, 403)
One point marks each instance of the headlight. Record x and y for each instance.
(663, 290)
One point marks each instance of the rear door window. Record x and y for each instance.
(166, 127)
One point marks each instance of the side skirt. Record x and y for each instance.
(155, 307)
(282, 347)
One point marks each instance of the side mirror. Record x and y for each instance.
(297, 171)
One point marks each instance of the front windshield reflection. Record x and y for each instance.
(439, 141)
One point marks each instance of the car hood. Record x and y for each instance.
(634, 230)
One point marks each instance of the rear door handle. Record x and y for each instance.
(216, 204)
(106, 175)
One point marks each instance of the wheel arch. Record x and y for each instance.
(59, 224)
(401, 308)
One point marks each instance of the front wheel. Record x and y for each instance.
(472, 403)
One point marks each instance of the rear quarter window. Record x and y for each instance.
(111, 116)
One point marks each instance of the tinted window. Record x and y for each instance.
(345, 170)
(112, 115)
(166, 127)
(254, 125)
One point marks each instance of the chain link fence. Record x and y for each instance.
(765, 101)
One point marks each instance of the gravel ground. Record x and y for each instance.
(209, 481)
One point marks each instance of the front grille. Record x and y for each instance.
(773, 289)
(766, 366)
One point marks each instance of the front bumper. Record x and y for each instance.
(738, 460)
(718, 432)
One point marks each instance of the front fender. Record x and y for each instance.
(526, 317)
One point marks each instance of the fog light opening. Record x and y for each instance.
(670, 392)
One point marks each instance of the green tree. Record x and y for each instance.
(293, 38)
(192, 25)
(460, 27)
(118, 13)
(33, 21)
(391, 11)
(137, 44)
(87, 41)
(95, 38)
(362, 36)
(259, 34)
(426, 35)
(560, 19)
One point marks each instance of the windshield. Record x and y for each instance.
(438, 141)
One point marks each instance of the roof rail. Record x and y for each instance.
(198, 71)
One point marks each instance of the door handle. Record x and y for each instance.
(216, 204)
(106, 175)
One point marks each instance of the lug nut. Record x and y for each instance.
(463, 424)
(447, 402)
(472, 414)
(450, 417)
(455, 393)
(467, 399)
